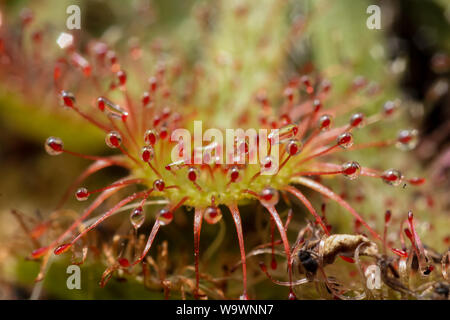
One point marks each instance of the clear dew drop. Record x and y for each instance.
(289, 93)
(113, 139)
(175, 166)
(357, 120)
(80, 62)
(67, 99)
(212, 215)
(242, 146)
(243, 297)
(65, 40)
(293, 147)
(284, 134)
(100, 49)
(153, 83)
(151, 137)
(389, 108)
(137, 217)
(351, 170)
(111, 109)
(146, 98)
(325, 122)
(82, 194)
(269, 196)
(234, 174)
(392, 177)
(192, 174)
(407, 139)
(267, 164)
(147, 153)
(124, 263)
(54, 146)
(62, 248)
(345, 140)
(165, 216)
(122, 77)
(159, 184)
(325, 85)
(163, 132)
(317, 104)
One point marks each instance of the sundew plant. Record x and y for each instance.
(249, 150)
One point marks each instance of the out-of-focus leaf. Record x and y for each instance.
(38, 124)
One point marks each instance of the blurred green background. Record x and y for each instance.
(399, 57)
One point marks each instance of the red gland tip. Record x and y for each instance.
(153, 84)
(357, 120)
(389, 108)
(159, 184)
(269, 196)
(400, 253)
(410, 216)
(351, 169)
(122, 77)
(124, 262)
(273, 264)
(317, 105)
(68, 99)
(416, 181)
(82, 194)
(192, 174)
(166, 113)
(54, 146)
(150, 137)
(147, 153)
(156, 120)
(326, 85)
(62, 248)
(212, 214)
(113, 139)
(408, 234)
(345, 140)
(324, 122)
(145, 99)
(387, 216)
(101, 103)
(234, 174)
(165, 216)
(39, 252)
(306, 81)
(347, 259)
(163, 133)
(294, 147)
(407, 139)
(428, 270)
(262, 266)
(392, 177)
(289, 93)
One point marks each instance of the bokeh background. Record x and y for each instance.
(413, 46)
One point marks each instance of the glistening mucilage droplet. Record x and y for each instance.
(407, 139)
(392, 177)
(351, 170)
(137, 217)
(269, 196)
(54, 146)
(212, 214)
(165, 216)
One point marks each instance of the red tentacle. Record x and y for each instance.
(237, 221)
